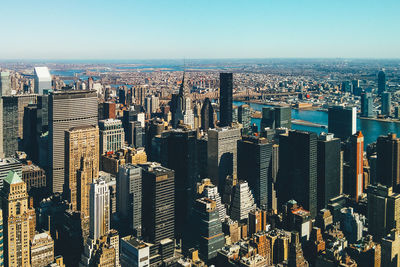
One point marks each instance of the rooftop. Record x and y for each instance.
(13, 178)
(43, 73)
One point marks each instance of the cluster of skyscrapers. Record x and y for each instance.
(88, 179)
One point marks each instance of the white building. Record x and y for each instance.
(99, 209)
(42, 80)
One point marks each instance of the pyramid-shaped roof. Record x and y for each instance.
(13, 178)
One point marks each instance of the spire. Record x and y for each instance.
(183, 89)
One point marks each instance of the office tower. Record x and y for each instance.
(225, 98)
(35, 179)
(257, 221)
(129, 197)
(5, 83)
(352, 224)
(383, 210)
(42, 250)
(122, 95)
(295, 257)
(181, 106)
(132, 115)
(7, 165)
(244, 117)
(347, 87)
(328, 169)
(154, 104)
(67, 109)
(276, 117)
(354, 182)
(99, 209)
(208, 236)
(242, 201)
(180, 155)
(207, 115)
(298, 169)
(386, 108)
(81, 165)
(14, 202)
(24, 101)
(367, 105)
(381, 82)
(235, 114)
(147, 105)
(355, 83)
(42, 80)
(222, 154)
(254, 160)
(342, 121)
(272, 182)
(206, 189)
(136, 134)
(134, 252)
(391, 249)
(112, 135)
(1, 239)
(158, 202)
(388, 160)
(196, 114)
(10, 125)
(30, 134)
(108, 110)
(296, 218)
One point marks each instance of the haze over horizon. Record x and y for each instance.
(143, 30)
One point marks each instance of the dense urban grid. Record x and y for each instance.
(209, 164)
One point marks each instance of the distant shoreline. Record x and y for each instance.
(381, 120)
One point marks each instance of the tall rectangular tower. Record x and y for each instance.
(42, 80)
(254, 160)
(14, 203)
(112, 135)
(10, 125)
(342, 121)
(354, 183)
(298, 169)
(129, 197)
(226, 96)
(5, 83)
(388, 160)
(67, 109)
(222, 154)
(99, 209)
(158, 203)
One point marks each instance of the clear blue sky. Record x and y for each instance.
(148, 29)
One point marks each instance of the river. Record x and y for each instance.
(371, 129)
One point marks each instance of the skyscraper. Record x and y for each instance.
(112, 135)
(342, 121)
(254, 160)
(81, 169)
(67, 109)
(298, 169)
(14, 204)
(42, 80)
(244, 117)
(242, 201)
(181, 106)
(328, 162)
(383, 210)
(129, 197)
(5, 83)
(180, 154)
(226, 96)
(10, 125)
(99, 209)
(381, 82)
(158, 203)
(276, 117)
(388, 160)
(208, 228)
(207, 115)
(354, 182)
(222, 154)
(386, 108)
(367, 105)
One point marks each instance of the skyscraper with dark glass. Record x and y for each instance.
(226, 96)
(254, 159)
(276, 117)
(244, 117)
(342, 121)
(180, 155)
(381, 82)
(298, 169)
(386, 107)
(367, 105)
(207, 115)
(328, 163)
(388, 160)
(158, 202)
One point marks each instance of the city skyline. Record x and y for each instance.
(205, 29)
